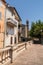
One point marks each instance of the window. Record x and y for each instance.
(0, 3)
(0, 15)
(15, 40)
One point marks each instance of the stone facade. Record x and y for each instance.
(2, 25)
(11, 27)
(9, 19)
(23, 30)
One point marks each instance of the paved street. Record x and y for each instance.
(32, 56)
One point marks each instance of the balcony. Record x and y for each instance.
(11, 22)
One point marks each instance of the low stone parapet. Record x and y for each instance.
(4, 55)
(12, 52)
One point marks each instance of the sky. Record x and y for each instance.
(31, 10)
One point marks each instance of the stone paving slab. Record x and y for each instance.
(33, 55)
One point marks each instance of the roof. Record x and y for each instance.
(12, 9)
(4, 2)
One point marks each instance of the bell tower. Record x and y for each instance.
(27, 28)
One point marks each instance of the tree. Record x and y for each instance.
(36, 28)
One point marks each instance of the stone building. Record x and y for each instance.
(11, 27)
(9, 20)
(23, 30)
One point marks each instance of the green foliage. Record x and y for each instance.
(36, 28)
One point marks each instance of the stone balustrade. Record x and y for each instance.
(4, 54)
(12, 52)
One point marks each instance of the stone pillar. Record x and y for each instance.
(11, 53)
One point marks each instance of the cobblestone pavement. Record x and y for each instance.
(32, 56)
